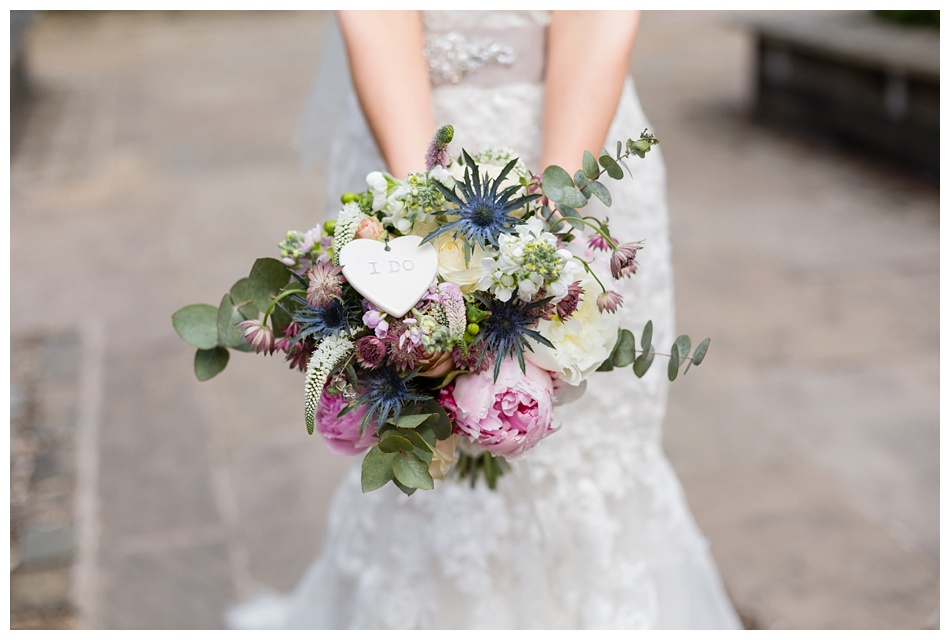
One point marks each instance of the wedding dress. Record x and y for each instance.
(591, 528)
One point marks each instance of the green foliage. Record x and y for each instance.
(268, 276)
(647, 337)
(412, 472)
(377, 469)
(625, 351)
(197, 324)
(599, 191)
(241, 299)
(591, 170)
(642, 364)
(229, 334)
(611, 167)
(210, 362)
(674, 365)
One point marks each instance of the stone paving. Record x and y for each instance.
(156, 163)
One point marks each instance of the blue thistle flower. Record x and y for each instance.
(506, 331)
(385, 392)
(336, 318)
(483, 211)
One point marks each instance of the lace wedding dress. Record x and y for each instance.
(591, 528)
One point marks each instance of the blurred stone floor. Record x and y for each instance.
(155, 164)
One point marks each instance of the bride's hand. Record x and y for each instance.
(588, 58)
(389, 74)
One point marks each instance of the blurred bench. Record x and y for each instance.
(852, 77)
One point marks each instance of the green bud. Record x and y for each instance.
(329, 226)
(349, 196)
(472, 329)
(444, 134)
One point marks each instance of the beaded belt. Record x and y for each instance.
(487, 56)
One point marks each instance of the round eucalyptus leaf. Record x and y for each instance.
(554, 181)
(600, 192)
(610, 165)
(268, 276)
(674, 366)
(241, 298)
(700, 352)
(377, 469)
(210, 362)
(197, 324)
(229, 334)
(625, 351)
(642, 364)
(591, 170)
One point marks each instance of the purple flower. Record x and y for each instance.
(299, 356)
(623, 261)
(437, 155)
(326, 284)
(609, 301)
(259, 336)
(599, 243)
(370, 351)
(374, 320)
(569, 302)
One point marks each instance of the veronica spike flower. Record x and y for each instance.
(483, 212)
(328, 354)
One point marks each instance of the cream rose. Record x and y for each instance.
(581, 343)
(452, 266)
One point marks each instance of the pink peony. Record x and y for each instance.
(507, 417)
(343, 434)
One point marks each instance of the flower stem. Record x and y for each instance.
(589, 270)
(278, 298)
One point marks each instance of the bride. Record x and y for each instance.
(590, 530)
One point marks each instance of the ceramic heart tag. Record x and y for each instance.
(393, 279)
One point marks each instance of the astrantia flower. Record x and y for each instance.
(298, 355)
(569, 303)
(385, 393)
(483, 212)
(370, 351)
(623, 261)
(259, 336)
(609, 301)
(506, 331)
(599, 242)
(326, 284)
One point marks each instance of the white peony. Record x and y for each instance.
(581, 343)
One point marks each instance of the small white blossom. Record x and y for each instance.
(329, 353)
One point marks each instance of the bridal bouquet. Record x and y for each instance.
(439, 318)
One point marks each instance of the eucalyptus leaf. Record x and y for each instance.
(210, 362)
(647, 337)
(377, 469)
(642, 364)
(407, 490)
(439, 422)
(684, 344)
(391, 442)
(197, 324)
(554, 181)
(229, 334)
(417, 440)
(241, 298)
(606, 365)
(674, 365)
(411, 422)
(412, 472)
(571, 213)
(268, 276)
(625, 351)
(572, 197)
(580, 180)
(698, 355)
(599, 191)
(619, 148)
(700, 352)
(591, 170)
(610, 165)
(279, 319)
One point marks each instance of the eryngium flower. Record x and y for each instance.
(483, 211)
(385, 393)
(326, 284)
(259, 336)
(623, 261)
(506, 331)
(609, 301)
(319, 323)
